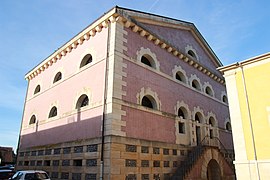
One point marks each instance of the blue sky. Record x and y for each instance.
(30, 30)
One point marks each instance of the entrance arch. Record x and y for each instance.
(213, 170)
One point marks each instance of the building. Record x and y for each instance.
(250, 115)
(132, 96)
(6, 155)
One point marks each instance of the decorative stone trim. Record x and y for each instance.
(148, 91)
(194, 77)
(211, 114)
(177, 69)
(198, 109)
(87, 91)
(147, 51)
(207, 84)
(189, 47)
(180, 104)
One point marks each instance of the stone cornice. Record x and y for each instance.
(102, 23)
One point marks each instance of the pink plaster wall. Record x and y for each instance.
(168, 91)
(67, 125)
(180, 39)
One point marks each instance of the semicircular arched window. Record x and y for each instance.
(182, 112)
(180, 77)
(82, 101)
(57, 77)
(148, 60)
(228, 126)
(87, 59)
(212, 121)
(192, 54)
(199, 117)
(33, 119)
(196, 85)
(225, 99)
(37, 89)
(53, 112)
(149, 101)
(208, 91)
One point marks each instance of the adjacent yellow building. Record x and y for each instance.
(248, 88)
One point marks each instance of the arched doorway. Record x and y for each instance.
(213, 170)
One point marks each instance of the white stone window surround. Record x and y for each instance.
(148, 92)
(207, 84)
(177, 69)
(223, 93)
(209, 115)
(198, 110)
(181, 104)
(146, 51)
(192, 78)
(87, 91)
(90, 51)
(190, 48)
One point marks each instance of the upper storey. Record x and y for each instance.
(165, 32)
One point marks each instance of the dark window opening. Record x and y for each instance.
(82, 101)
(180, 76)
(146, 61)
(195, 84)
(209, 91)
(32, 120)
(212, 121)
(77, 162)
(57, 77)
(211, 133)
(181, 113)
(53, 112)
(224, 99)
(37, 89)
(146, 102)
(192, 54)
(47, 163)
(86, 60)
(228, 126)
(198, 117)
(181, 127)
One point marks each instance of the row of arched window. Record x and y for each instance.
(87, 59)
(81, 102)
(179, 75)
(150, 102)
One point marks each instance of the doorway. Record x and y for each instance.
(213, 170)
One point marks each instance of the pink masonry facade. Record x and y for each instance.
(132, 96)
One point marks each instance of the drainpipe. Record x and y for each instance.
(104, 105)
(250, 120)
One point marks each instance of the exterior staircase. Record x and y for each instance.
(196, 153)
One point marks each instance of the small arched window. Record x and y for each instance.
(37, 89)
(199, 117)
(180, 77)
(148, 101)
(211, 121)
(228, 126)
(196, 85)
(225, 99)
(82, 101)
(192, 54)
(53, 112)
(32, 120)
(57, 77)
(148, 60)
(86, 60)
(182, 112)
(208, 91)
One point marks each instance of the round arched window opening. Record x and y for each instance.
(228, 126)
(212, 121)
(192, 54)
(148, 60)
(37, 89)
(57, 77)
(32, 120)
(86, 60)
(182, 112)
(53, 112)
(148, 101)
(82, 101)
(209, 91)
(196, 85)
(225, 99)
(198, 117)
(180, 77)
